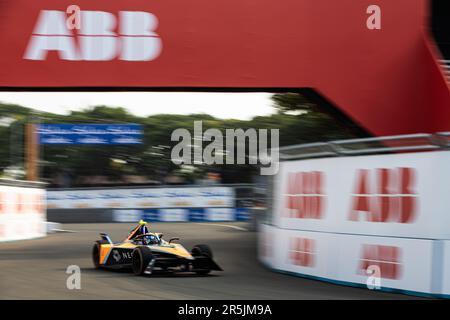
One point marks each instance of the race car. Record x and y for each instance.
(146, 252)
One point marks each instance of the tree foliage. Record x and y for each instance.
(152, 158)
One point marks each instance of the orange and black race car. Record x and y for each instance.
(145, 252)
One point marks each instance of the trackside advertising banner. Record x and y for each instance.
(90, 134)
(407, 265)
(375, 221)
(22, 213)
(402, 195)
(182, 214)
(196, 197)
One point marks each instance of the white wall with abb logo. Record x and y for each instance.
(339, 219)
(401, 195)
(402, 264)
(22, 213)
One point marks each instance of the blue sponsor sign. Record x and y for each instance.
(192, 215)
(106, 134)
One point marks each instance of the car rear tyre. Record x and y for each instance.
(96, 253)
(202, 250)
(141, 258)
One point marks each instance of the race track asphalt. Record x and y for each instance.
(36, 269)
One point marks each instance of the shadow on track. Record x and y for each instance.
(155, 274)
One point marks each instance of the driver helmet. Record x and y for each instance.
(151, 239)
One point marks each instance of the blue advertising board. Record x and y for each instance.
(106, 134)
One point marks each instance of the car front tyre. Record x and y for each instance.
(142, 256)
(202, 250)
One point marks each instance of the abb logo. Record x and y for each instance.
(96, 39)
(21, 203)
(305, 199)
(27, 203)
(386, 258)
(391, 199)
(302, 252)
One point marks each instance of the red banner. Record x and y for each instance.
(386, 79)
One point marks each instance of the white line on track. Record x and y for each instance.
(223, 225)
(64, 230)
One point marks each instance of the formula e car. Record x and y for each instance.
(145, 252)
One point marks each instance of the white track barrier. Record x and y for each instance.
(131, 198)
(339, 219)
(22, 213)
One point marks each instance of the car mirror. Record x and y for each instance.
(173, 239)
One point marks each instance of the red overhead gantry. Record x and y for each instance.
(388, 80)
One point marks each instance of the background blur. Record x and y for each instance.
(300, 119)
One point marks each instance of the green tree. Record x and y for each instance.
(298, 118)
